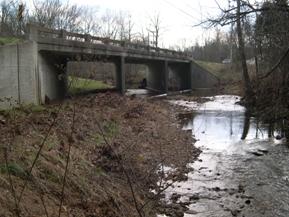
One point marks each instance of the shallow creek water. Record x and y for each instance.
(233, 177)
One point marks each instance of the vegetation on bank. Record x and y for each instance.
(9, 40)
(78, 85)
(219, 69)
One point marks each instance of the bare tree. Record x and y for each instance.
(155, 28)
(69, 18)
(247, 81)
(125, 26)
(142, 37)
(129, 31)
(90, 22)
(10, 17)
(236, 14)
(45, 12)
(117, 25)
(56, 14)
(109, 25)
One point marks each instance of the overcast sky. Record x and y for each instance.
(177, 16)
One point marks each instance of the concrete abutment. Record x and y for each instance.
(18, 75)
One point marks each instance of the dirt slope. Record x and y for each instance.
(117, 144)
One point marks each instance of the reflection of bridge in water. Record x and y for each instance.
(36, 68)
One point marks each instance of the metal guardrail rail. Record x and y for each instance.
(36, 33)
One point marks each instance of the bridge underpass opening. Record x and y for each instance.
(145, 76)
(136, 76)
(90, 76)
(52, 78)
(62, 74)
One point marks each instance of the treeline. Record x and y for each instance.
(223, 46)
(58, 14)
(215, 49)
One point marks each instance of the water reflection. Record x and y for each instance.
(218, 130)
(242, 170)
(246, 126)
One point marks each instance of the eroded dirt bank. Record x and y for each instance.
(116, 146)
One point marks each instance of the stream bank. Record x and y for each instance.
(116, 146)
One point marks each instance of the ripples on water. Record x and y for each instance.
(233, 177)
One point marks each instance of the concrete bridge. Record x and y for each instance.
(35, 69)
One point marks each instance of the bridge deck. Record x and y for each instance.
(67, 42)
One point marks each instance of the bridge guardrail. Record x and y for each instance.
(35, 31)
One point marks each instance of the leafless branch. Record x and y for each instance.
(119, 161)
(276, 65)
(70, 141)
(54, 116)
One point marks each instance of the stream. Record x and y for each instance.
(232, 177)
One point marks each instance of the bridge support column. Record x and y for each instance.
(158, 76)
(191, 75)
(180, 76)
(32, 32)
(120, 74)
(166, 76)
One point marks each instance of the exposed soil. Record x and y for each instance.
(231, 88)
(117, 145)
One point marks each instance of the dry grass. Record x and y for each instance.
(140, 133)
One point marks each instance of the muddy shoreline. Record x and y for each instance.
(117, 145)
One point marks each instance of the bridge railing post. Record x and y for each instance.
(124, 44)
(87, 38)
(32, 32)
(62, 34)
(148, 48)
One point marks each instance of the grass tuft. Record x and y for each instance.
(14, 169)
(78, 85)
(111, 129)
(9, 40)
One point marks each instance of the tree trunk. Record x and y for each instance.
(246, 78)
(246, 126)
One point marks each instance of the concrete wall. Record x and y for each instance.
(157, 78)
(179, 76)
(53, 79)
(201, 78)
(28, 73)
(18, 80)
